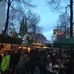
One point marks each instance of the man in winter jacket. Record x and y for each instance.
(5, 63)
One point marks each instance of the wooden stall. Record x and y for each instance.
(6, 42)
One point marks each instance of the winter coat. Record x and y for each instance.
(22, 62)
(5, 63)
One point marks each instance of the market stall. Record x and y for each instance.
(64, 43)
(7, 41)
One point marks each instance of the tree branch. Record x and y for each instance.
(58, 4)
(67, 6)
(15, 9)
(12, 1)
(0, 0)
(28, 4)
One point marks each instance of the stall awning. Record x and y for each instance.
(67, 42)
(9, 39)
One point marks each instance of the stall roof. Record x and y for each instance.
(67, 42)
(9, 39)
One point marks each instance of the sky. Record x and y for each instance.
(48, 18)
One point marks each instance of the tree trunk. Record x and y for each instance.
(71, 18)
(7, 18)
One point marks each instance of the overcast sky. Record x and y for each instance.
(48, 18)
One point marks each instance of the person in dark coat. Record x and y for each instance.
(1, 47)
(0, 58)
(32, 61)
(42, 64)
(15, 56)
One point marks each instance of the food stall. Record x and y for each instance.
(6, 42)
(64, 43)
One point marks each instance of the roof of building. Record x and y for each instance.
(9, 39)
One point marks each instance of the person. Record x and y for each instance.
(5, 63)
(42, 64)
(1, 47)
(22, 63)
(0, 60)
(32, 61)
(15, 56)
(49, 65)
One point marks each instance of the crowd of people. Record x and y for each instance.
(37, 61)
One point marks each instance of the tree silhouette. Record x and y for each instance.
(7, 18)
(71, 18)
(57, 3)
(9, 6)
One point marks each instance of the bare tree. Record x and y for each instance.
(70, 5)
(62, 30)
(33, 20)
(10, 4)
(7, 18)
(23, 27)
(40, 38)
(29, 25)
(71, 18)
